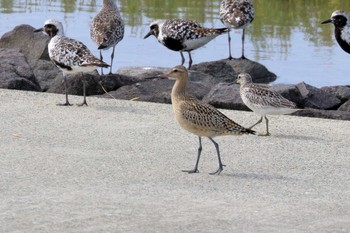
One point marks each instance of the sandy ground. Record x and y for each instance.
(115, 166)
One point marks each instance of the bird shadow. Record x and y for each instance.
(253, 176)
(298, 137)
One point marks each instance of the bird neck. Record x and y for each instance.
(179, 89)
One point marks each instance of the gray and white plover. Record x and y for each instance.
(263, 101)
(236, 14)
(107, 28)
(183, 35)
(341, 21)
(200, 118)
(69, 55)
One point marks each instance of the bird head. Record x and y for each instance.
(244, 78)
(52, 28)
(338, 18)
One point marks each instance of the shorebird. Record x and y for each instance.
(263, 101)
(107, 29)
(236, 14)
(200, 118)
(69, 55)
(341, 21)
(183, 35)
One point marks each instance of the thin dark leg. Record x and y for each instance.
(112, 57)
(190, 61)
(267, 128)
(243, 36)
(219, 158)
(258, 122)
(195, 169)
(84, 91)
(101, 58)
(229, 45)
(66, 92)
(182, 58)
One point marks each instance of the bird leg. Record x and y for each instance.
(182, 58)
(101, 58)
(112, 57)
(267, 128)
(190, 61)
(229, 45)
(220, 169)
(258, 122)
(84, 91)
(66, 92)
(195, 169)
(243, 36)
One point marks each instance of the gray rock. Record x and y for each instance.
(219, 71)
(227, 96)
(142, 72)
(345, 106)
(46, 73)
(158, 90)
(15, 72)
(327, 114)
(317, 98)
(259, 73)
(32, 45)
(342, 92)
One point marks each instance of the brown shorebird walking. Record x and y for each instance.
(107, 28)
(200, 118)
(236, 14)
(69, 55)
(263, 101)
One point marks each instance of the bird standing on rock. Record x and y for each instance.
(183, 35)
(69, 55)
(263, 101)
(236, 14)
(200, 118)
(341, 21)
(107, 28)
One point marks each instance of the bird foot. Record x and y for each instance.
(220, 169)
(191, 171)
(82, 104)
(65, 104)
(264, 135)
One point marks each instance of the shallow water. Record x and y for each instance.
(286, 36)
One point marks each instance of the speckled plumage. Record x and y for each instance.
(262, 100)
(183, 35)
(69, 55)
(107, 28)
(341, 21)
(198, 117)
(236, 14)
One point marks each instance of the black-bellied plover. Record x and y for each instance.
(69, 55)
(236, 14)
(107, 28)
(200, 118)
(341, 21)
(263, 101)
(183, 35)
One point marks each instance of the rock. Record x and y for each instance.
(345, 106)
(158, 90)
(227, 96)
(327, 114)
(317, 98)
(142, 72)
(341, 92)
(46, 73)
(219, 71)
(259, 73)
(15, 72)
(93, 83)
(32, 45)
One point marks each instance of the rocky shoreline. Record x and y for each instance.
(25, 65)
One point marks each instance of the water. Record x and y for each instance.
(286, 36)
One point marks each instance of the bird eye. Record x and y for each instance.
(175, 70)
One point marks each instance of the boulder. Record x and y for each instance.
(341, 92)
(226, 96)
(345, 106)
(157, 90)
(259, 73)
(327, 114)
(33, 45)
(15, 72)
(317, 98)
